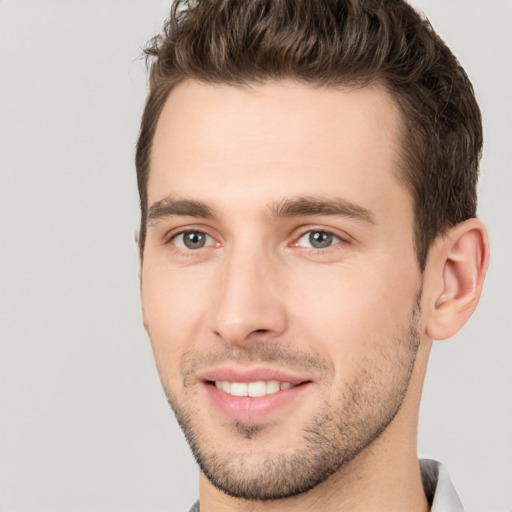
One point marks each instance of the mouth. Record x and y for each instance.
(255, 395)
(253, 389)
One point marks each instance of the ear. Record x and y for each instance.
(143, 311)
(456, 270)
(136, 239)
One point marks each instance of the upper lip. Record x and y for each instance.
(250, 374)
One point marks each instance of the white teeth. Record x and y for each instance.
(239, 389)
(254, 389)
(272, 387)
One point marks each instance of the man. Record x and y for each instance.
(307, 175)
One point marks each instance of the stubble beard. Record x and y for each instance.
(329, 441)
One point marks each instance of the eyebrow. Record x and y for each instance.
(171, 206)
(288, 208)
(308, 205)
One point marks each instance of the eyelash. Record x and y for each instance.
(338, 239)
(170, 238)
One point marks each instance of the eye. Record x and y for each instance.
(318, 239)
(190, 240)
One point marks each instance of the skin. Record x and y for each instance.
(354, 319)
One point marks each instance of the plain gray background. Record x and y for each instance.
(84, 425)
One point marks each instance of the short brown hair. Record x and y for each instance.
(331, 43)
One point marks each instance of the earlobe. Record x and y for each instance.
(461, 261)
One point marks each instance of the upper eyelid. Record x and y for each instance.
(342, 235)
(174, 232)
(321, 230)
(180, 233)
(327, 232)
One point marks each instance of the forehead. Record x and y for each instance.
(276, 139)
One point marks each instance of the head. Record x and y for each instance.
(329, 44)
(307, 176)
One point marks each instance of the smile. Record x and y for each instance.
(253, 389)
(253, 394)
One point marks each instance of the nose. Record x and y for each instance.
(249, 301)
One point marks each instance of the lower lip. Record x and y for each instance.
(250, 409)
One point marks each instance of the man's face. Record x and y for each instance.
(280, 285)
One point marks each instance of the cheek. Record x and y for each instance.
(350, 309)
(173, 306)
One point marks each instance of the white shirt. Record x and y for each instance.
(438, 487)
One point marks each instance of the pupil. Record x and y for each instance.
(319, 239)
(194, 240)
